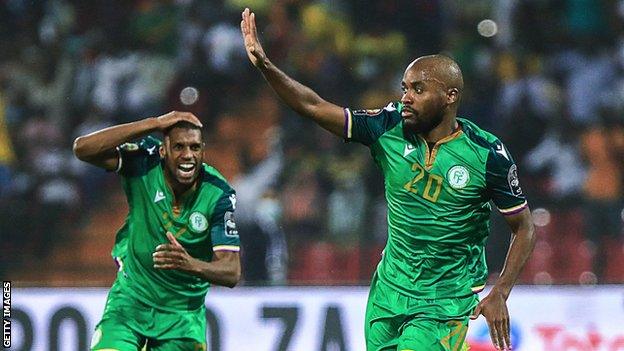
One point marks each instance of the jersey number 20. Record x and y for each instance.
(429, 193)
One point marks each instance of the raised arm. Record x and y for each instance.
(98, 148)
(296, 95)
(494, 306)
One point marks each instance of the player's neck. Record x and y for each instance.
(447, 127)
(179, 190)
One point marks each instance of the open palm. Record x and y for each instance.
(250, 36)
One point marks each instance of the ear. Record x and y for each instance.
(161, 151)
(452, 96)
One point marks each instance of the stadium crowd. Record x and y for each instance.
(545, 76)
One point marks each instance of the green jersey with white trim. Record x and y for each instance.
(438, 201)
(202, 224)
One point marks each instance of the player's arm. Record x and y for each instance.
(98, 148)
(299, 97)
(522, 243)
(494, 306)
(224, 269)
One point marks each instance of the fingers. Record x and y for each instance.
(476, 312)
(506, 333)
(252, 25)
(173, 239)
(189, 117)
(493, 333)
(174, 117)
(169, 247)
(166, 259)
(499, 333)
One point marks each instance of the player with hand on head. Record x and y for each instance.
(178, 239)
(440, 173)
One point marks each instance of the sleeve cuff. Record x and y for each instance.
(348, 124)
(234, 248)
(119, 160)
(513, 210)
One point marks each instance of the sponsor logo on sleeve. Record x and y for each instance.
(500, 149)
(233, 201)
(458, 177)
(514, 181)
(230, 224)
(129, 146)
(369, 112)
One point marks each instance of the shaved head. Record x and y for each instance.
(440, 68)
(432, 87)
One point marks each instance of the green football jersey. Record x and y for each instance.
(204, 223)
(438, 201)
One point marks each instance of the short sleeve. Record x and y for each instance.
(502, 181)
(366, 126)
(223, 231)
(136, 158)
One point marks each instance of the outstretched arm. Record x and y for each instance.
(296, 95)
(494, 306)
(98, 148)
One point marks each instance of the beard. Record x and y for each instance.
(419, 124)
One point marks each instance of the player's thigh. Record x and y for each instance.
(381, 329)
(385, 313)
(115, 335)
(176, 345)
(432, 335)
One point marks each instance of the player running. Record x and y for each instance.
(178, 239)
(440, 174)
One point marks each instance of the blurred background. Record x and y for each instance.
(546, 76)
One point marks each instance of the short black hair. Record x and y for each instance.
(181, 124)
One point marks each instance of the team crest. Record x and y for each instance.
(514, 181)
(458, 177)
(198, 222)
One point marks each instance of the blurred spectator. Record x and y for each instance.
(602, 191)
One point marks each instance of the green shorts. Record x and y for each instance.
(398, 322)
(130, 325)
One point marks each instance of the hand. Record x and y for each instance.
(167, 120)
(494, 308)
(172, 256)
(250, 36)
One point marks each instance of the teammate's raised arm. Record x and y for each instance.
(98, 148)
(296, 95)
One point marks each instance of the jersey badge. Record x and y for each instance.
(230, 225)
(458, 177)
(159, 196)
(409, 148)
(198, 222)
(514, 181)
